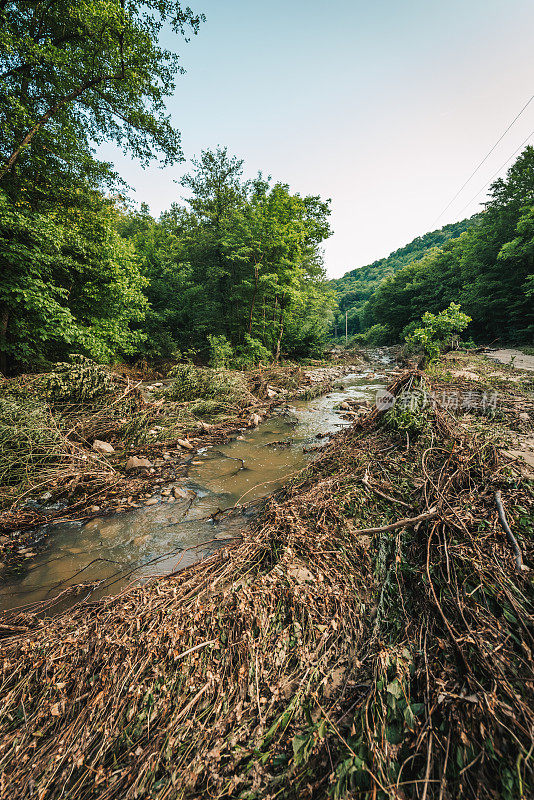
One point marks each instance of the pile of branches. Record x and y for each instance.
(49, 422)
(371, 637)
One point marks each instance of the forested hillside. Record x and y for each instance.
(356, 287)
(489, 270)
(485, 263)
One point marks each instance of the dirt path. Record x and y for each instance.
(505, 356)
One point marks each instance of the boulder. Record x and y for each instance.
(103, 447)
(137, 463)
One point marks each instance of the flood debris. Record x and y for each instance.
(346, 647)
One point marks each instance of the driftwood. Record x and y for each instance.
(511, 538)
(401, 523)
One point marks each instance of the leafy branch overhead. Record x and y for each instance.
(95, 70)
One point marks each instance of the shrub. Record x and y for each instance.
(251, 353)
(375, 335)
(438, 330)
(221, 352)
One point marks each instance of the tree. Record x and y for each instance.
(240, 261)
(81, 72)
(488, 269)
(438, 330)
(68, 282)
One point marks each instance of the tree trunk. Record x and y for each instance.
(4, 321)
(253, 300)
(280, 334)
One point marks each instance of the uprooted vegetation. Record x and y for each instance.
(213, 389)
(370, 637)
(49, 424)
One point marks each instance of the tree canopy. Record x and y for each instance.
(78, 73)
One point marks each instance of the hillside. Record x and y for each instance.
(357, 286)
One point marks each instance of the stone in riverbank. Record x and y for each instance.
(103, 447)
(137, 463)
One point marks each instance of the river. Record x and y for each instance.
(107, 554)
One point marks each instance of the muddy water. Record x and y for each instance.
(105, 555)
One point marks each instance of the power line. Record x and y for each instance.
(499, 140)
(523, 143)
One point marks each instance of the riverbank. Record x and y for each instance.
(371, 635)
(106, 443)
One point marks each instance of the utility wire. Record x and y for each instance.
(499, 140)
(523, 143)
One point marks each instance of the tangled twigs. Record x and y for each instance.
(401, 523)
(303, 661)
(511, 538)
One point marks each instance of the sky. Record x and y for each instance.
(385, 107)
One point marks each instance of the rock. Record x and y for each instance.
(152, 501)
(344, 405)
(524, 416)
(94, 509)
(139, 540)
(182, 494)
(45, 496)
(103, 447)
(271, 393)
(158, 385)
(166, 492)
(197, 463)
(254, 420)
(137, 463)
(185, 444)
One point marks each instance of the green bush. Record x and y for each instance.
(79, 380)
(251, 353)
(438, 330)
(221, 352)
(375, 335)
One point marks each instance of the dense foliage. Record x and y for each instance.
(356, 287)
(438, 331)
(237, 272)
(489, 270)
(75, 73)
(82, 273)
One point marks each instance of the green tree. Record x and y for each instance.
(74, 73)
(438, 330)
(68, 282)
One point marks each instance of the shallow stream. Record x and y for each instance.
(109, 553)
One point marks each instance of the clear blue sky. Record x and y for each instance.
(386, 107)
